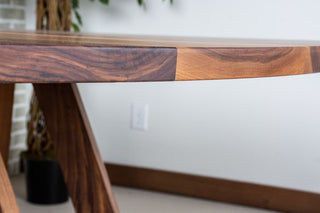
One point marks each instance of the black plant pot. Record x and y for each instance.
(45, 184)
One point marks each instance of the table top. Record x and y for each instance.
(100, 40)
(43, 57)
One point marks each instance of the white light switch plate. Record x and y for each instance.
(139, 116)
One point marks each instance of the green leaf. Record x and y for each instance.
(75, 27)
(78, 17)
(106, 2)
(171, 1)
(142, 3)
(75, 4)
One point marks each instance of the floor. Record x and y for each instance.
(136, 201)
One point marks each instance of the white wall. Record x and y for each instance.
(22, 91)
(259, 130)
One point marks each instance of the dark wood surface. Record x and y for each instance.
(67, 58)
(8, 203)
(76, 150)
(85, 64)
(62, 57)
(261, 196)
(6, 104)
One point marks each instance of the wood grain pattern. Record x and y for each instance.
(6, 104)
(315, 57)
(85, 64)
(76, 149)
(68, 58)
(261, 196)
(230, 63)
(8, 203)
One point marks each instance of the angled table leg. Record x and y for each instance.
(8, 203)
(6, 103)
(76, 149)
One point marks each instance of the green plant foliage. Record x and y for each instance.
(75, 6)
(142, 4)
(75, 27)
(78, 17)
(104, 1)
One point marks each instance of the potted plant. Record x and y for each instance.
(45, 183)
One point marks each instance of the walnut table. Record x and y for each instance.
(55, 62)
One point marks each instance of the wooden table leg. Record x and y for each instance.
(76, 148)
(8, 203)
(6, 104)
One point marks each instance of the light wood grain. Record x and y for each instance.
(76, 149)
(8, 203)
(6, 104)
(231, 63)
